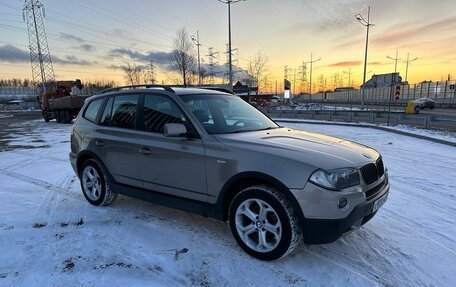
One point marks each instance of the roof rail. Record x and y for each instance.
(146, 86)
(219, 89)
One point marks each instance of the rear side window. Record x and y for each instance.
(160, 110)
(107, 113)
(124, 111)
(92, 109)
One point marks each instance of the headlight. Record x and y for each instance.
(335, 179)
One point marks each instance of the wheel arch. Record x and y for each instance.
(86, 155)
(244, 179)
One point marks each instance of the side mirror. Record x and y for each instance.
(174, 130)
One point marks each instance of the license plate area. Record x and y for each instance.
(379, 202)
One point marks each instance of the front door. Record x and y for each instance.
(169, 165)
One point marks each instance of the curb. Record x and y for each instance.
(440, 141)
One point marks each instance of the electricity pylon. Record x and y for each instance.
(40, 57)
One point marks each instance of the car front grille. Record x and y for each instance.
(373, 171)
(373, 192)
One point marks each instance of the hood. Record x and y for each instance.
(319, 150)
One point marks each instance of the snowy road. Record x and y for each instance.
(50, 236)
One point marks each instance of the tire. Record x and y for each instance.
(58, 116)
(46, 117)
(94, 184)
(278, 225)
(65, 117)
(68, 117)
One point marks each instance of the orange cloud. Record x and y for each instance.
(345, 64)
(407, 33)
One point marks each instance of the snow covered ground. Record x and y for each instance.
(445, 135)
(50, 236)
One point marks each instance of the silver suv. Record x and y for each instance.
(211, 153)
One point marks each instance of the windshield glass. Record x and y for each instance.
(221, 114)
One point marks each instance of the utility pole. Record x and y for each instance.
(407, 65)
(234, 52)
(303, 73)
(198, 44)
(349, 76)
(40, 56)
(276, 88)
(285, 72)
(294, 83)
(212, 55)
(229, 2)
(367, 24)
(152, 72)
(395, 63)
(392, 84)
(310, 76)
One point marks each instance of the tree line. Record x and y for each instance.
(183, 63)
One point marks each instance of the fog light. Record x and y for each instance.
(343, 202)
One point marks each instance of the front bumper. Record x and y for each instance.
(322, 231)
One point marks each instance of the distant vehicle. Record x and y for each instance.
(63, 102)
(426, 103)
(212, 153)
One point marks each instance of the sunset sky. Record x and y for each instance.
(91, 39)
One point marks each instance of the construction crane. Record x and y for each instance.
(40, 57)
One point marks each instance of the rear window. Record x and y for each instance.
(92, 109)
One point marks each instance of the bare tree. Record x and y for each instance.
(258, 70)
(182, 58)
(135, 74)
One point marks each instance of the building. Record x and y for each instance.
(383, 81)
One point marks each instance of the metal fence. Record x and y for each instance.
(444, 93)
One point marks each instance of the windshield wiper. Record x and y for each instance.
(243, 130)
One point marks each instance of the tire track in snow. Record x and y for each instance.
(416, 230)
(39, 183)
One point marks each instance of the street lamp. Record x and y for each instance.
(230, 66)
(367, 24)
(198, 44)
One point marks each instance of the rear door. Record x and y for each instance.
(170, 165)
(115, 139)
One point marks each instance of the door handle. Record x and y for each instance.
(99, 142)
(145, 150)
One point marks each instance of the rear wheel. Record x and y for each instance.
(95, 185)
(264, 223)
(58, 117)
(69, 117)
(66, 117)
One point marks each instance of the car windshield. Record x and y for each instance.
(222, 114)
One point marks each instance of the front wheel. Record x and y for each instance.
(264, 223)
(95, 185)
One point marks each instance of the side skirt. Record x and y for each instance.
(193, 206)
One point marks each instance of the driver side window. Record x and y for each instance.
(160, 110)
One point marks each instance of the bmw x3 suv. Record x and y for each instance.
(210, 152)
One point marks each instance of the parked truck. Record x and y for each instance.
(62, 102)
